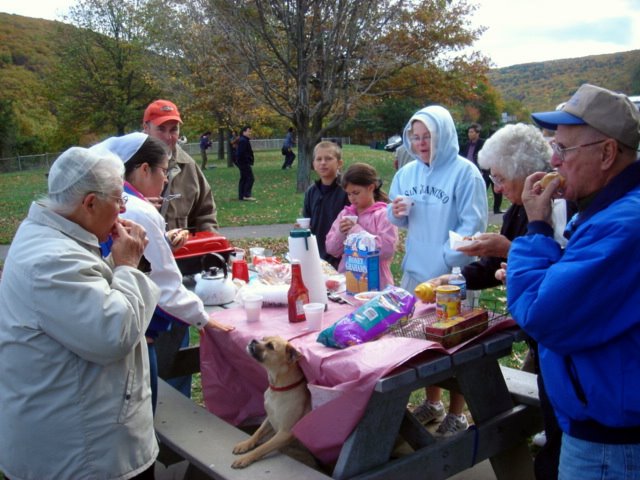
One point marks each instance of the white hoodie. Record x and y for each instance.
(448, 194)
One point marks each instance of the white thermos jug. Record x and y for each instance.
(303, 246)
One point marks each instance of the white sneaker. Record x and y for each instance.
(428, 412)
(540, 439)
(452, 424)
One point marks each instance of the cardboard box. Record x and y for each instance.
(362, 270)
(450, 332)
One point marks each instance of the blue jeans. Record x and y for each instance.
(153, 373)
(584, 460)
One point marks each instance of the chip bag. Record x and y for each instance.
(370, 320)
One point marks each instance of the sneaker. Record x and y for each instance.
(452, 424)
(428, 412)
(249, 199)
(540, 439)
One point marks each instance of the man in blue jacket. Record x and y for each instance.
(581, 304)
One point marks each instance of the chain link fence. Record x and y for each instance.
(43, 161)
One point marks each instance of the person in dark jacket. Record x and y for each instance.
(580, 303)
(470, 151)
(287, 149)
(512, 154)
(325, 198)
(245, 162)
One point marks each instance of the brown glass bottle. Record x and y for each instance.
(298, 294)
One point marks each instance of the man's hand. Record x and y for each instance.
(536, 201)
(487, 245)
(177, 238)
(129, 242)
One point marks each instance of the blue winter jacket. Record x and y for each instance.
(583, 308)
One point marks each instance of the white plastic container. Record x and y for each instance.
(303, 246)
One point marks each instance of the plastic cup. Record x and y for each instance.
(353, 218)
(255, 252)
(314, 312)
(252, 307)
(303, 222)
(408, 202)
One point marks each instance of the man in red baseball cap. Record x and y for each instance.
(192, 206)
(195, 208)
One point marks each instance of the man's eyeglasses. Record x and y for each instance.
(561, 151)
(417, 139)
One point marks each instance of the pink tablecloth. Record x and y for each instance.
(340, 381)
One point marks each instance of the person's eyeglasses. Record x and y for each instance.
(165, 171)
(497, 181)
(561, 151)
(417, 139)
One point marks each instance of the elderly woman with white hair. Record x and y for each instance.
(512, 154)
(74, 388)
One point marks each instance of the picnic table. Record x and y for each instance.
(360, 395)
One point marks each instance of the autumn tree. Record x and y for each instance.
(105, 73)
(191, 70)
(313, 61)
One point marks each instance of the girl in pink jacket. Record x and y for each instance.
(368, 212)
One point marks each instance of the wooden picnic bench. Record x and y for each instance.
(187, 431)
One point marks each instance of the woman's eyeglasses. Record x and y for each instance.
(121, 199)
(165, 171)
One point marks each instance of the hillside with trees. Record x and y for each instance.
(543, 85)
(63, 84)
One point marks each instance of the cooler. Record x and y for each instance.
(189, 257)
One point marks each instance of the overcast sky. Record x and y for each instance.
(518, 31)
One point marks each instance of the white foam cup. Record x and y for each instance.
(314, 312)
(303, 222)
(252, 306)
(353, 218)
(408, 202)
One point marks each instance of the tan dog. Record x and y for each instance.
(286, 400)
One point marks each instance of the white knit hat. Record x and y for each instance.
(124, 147)
(70, 167)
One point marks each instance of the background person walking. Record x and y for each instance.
(287, 149)
(205, 143)
(245, 162)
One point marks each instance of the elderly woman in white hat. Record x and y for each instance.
(74, 387)
(146, 161)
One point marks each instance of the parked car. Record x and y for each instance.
(393, 143)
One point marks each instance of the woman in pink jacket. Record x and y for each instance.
(367, 213)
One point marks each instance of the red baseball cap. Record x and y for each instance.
(161, 111)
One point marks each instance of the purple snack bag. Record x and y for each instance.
(370, 320)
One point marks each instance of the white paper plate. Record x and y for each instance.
(366, 296)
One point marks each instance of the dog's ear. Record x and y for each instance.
(293, 355)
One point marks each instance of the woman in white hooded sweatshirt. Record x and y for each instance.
(448, 193)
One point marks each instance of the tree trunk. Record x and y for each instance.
(221, 143)
(305, 159)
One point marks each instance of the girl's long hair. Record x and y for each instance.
(364, 175)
